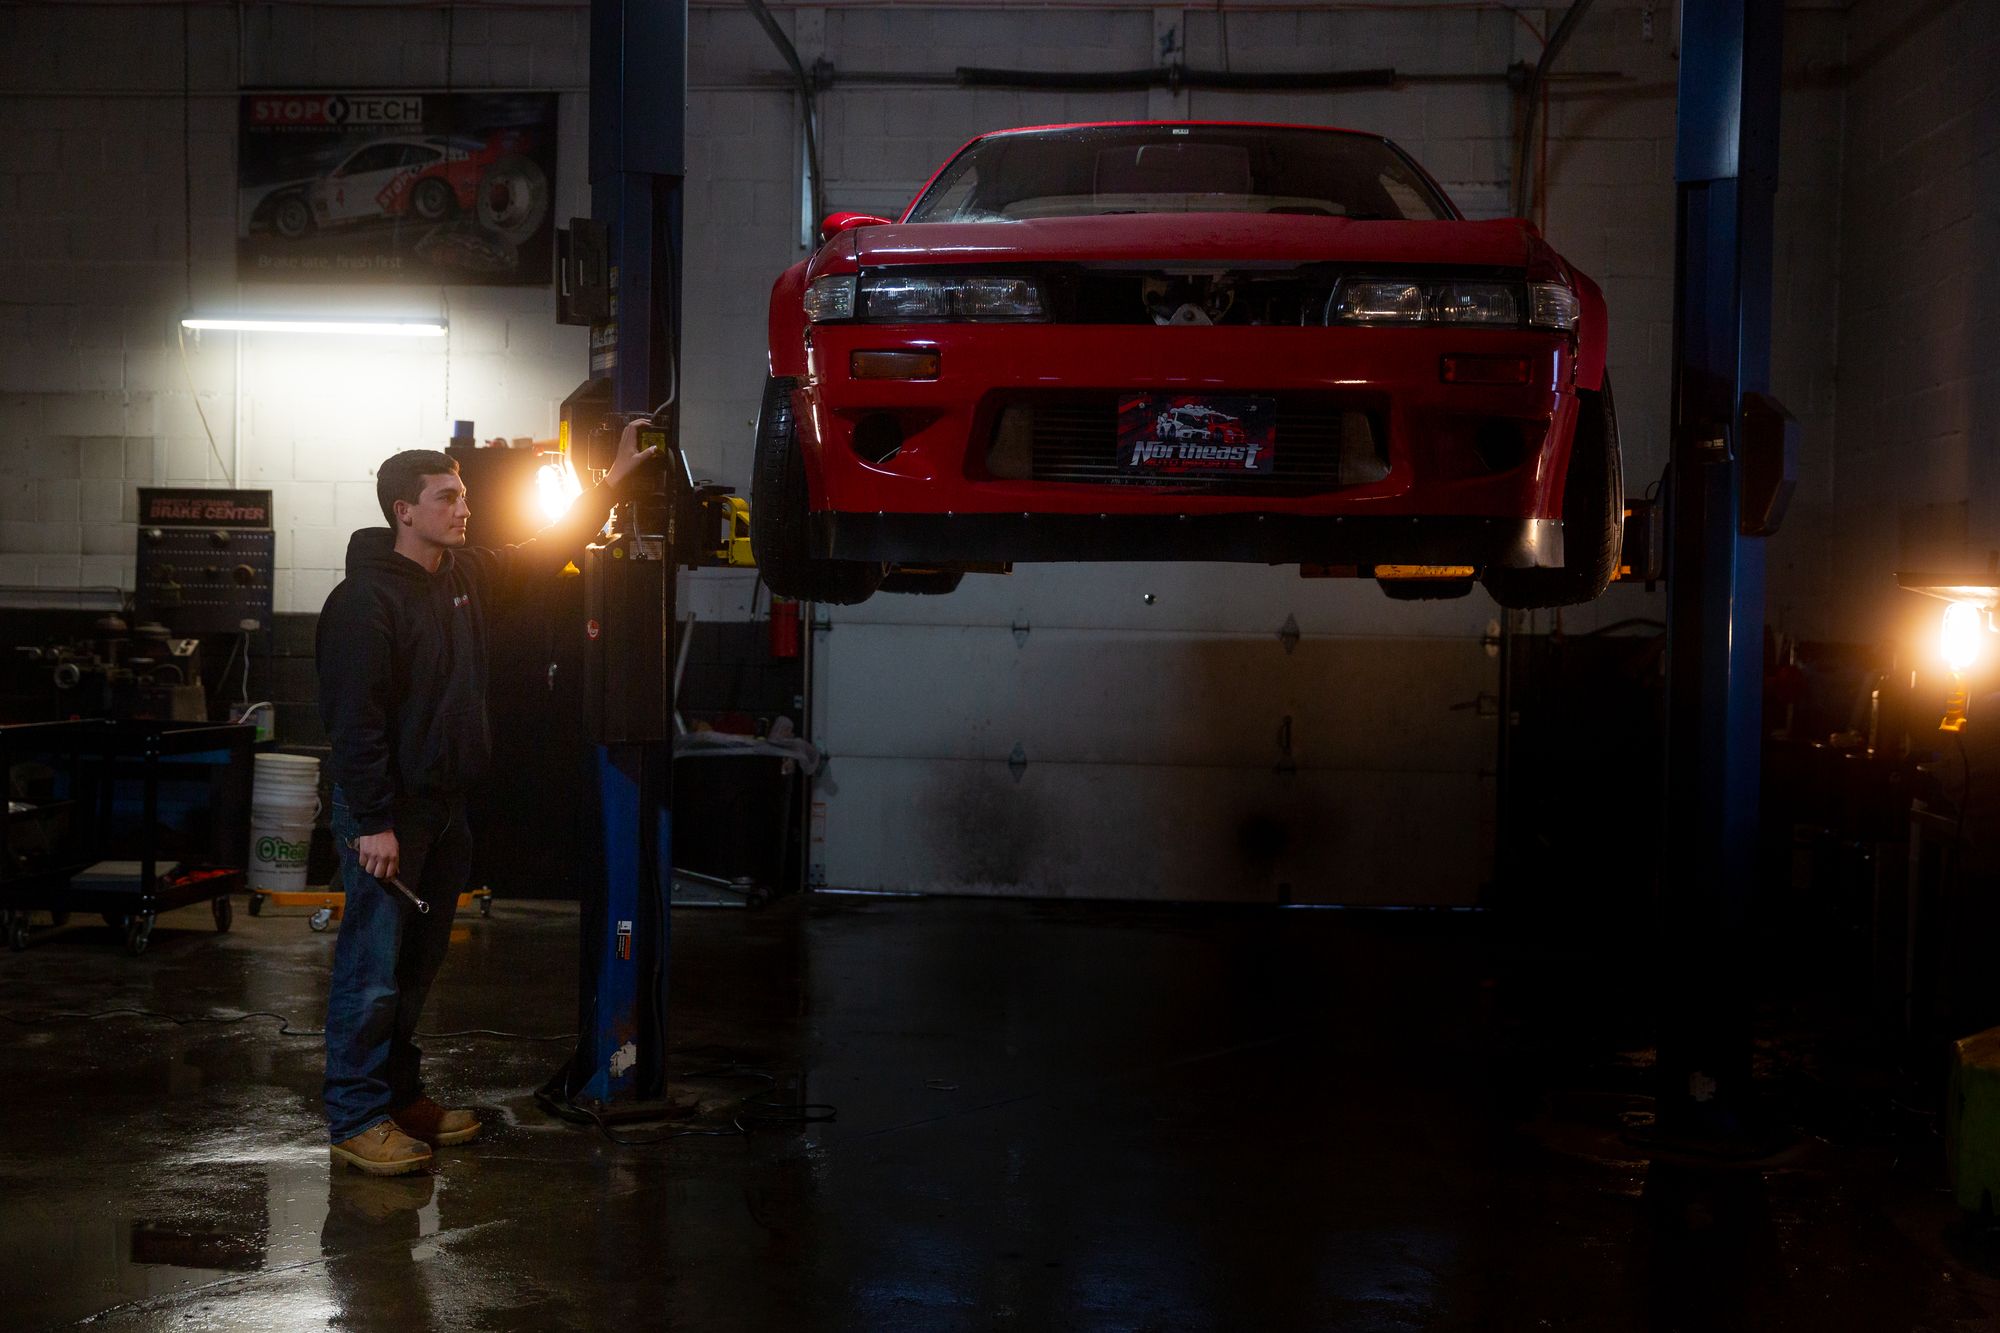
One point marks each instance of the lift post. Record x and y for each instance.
(1732, 455)
(638, 85)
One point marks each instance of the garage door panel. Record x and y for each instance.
(1195, 598)
(1144, 832)
(958, 693)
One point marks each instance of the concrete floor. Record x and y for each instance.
(1050, 1117)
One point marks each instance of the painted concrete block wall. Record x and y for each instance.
(1917, 467)
(94, 397)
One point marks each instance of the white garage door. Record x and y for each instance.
(1194, 732)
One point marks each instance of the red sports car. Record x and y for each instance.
(1187, 341)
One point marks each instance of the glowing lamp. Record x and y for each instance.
(556, 489)
(1968, 616)
(366, 327)
(1963, 629)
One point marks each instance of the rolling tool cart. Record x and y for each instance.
(126, 819)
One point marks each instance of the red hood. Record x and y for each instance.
(1201, 237)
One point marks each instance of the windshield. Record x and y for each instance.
(1100, 169)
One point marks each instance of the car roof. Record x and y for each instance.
(959, 152)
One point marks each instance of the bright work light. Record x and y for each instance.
(556, 489)
(1970, 598)
(1964, 627)
(380, 328)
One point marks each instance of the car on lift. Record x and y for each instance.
(1187, 341)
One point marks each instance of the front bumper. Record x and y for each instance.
(1443, 495)
(1276, 539)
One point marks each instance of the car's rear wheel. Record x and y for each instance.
(928, 582)
(1593, 517)
(779, 513)
(432, 200)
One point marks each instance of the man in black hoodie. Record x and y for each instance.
(402, 688)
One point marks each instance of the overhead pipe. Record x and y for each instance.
(1174, 78)
(809, 101)
(1532, 99)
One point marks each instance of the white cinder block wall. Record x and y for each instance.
(94, 398)
(1911, 477)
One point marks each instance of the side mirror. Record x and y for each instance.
(837, 223)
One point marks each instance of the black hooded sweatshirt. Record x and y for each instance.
(402, 660)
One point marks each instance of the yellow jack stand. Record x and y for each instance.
(328, 904)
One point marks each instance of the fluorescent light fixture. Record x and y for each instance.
(380, 328)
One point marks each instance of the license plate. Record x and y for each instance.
(1197, 435)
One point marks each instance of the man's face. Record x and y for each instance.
(438, 517)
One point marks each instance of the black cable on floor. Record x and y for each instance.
(747, 1116)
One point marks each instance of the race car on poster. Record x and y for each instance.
(1198, 421)
(1187, 341)
(430, 178)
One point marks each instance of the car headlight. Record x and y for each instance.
(1478, 303)
(830, 298)
(897, 299)
(1543, 305)
(1372, 302)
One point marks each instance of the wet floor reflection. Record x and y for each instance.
(1049, 1118)
(373, 1227)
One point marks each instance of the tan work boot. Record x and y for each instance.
(383, 1151)
(424, 1119)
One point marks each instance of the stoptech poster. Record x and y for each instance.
(396, 187)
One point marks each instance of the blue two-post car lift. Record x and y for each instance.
(1732, 462)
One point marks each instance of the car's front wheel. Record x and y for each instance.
(291, 217)
(1593, 517)
(780, 511)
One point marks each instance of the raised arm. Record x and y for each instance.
(563, 540)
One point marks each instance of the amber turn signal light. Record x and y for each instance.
(893, 365)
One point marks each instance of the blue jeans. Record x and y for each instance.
(386, 959)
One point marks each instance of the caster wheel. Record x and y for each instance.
(320, 919)
(486, 907)
(59, 919)
(138, 933)
(225, 912)
(15, 925)
(256, 904)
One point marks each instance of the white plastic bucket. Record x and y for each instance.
(284, 803)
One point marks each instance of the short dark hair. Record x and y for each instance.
(401, 477)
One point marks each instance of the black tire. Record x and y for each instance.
(433, 200)
(256, 904)
(1424, 590)
(1593, 517)
(224, 911)
(779, 503)
(138, 934)
(16, 926)
(924, 582)
(292, 217)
